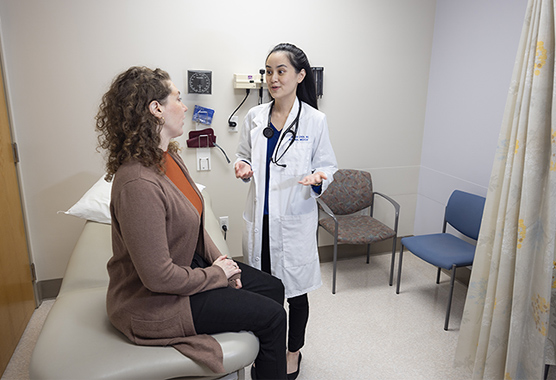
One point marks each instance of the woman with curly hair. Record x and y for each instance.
(169, 284)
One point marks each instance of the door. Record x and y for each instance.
(17, 301)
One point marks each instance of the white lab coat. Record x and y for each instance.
(293, 213)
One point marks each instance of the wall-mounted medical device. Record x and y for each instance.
(318, 73)
(199, 82)
(249, 81)
(203, 138)
(246, 82)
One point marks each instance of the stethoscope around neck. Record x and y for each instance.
(268, 132)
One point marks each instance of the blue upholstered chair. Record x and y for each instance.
(464, 212)
(350, 193)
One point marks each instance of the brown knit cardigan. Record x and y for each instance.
(155, 233)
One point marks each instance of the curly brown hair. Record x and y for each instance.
(127, 129)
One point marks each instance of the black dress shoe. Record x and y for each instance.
(293, 375)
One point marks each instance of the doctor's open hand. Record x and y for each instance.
(243, 170)
(313, 179)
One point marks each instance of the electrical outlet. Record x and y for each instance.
(224, 222)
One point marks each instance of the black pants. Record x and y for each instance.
(257, 307)
(298, 306)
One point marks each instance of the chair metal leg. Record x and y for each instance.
(334, 266)
(438, 275)
(391, 282)
(368, 252)
(450, 297)
(399, 271)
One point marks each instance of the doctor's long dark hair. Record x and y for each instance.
(306, 90)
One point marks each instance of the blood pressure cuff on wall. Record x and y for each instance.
(203, 138)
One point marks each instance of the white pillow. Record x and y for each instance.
(95, 203)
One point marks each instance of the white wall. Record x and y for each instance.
(61, 55)
(474, 49)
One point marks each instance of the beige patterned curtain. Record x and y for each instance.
(508, 327)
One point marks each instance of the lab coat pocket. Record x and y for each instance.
(298, 159)
(299, 239)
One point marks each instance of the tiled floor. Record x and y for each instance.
(366, 331)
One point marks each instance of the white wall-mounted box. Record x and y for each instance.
(249, 81)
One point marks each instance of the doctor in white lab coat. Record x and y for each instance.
(286, 154)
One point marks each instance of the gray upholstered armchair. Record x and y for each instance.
(342, 203)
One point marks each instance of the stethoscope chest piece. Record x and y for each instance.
(268, 132)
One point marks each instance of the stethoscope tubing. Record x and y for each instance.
(290, 129)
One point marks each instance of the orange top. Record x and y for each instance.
(179, 179)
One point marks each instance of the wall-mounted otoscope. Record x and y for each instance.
(261, 71)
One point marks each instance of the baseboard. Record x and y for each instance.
(48, 289)
(462, 274)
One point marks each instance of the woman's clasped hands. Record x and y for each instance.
(229, 267)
